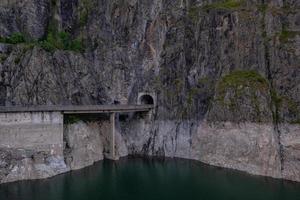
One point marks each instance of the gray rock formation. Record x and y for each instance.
(249, 147)
(27, 16)
(226, 76)
(83, 145)
(290, 141)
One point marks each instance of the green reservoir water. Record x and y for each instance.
(141, 179)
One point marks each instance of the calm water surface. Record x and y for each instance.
(140, 179)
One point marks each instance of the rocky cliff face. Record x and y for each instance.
(226, 73)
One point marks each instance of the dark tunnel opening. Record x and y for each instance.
(146, 99)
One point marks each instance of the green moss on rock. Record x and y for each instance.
(238, 80)
(242, 95)
(224, 5)
(63, 41)
(287, 35)
(15, 38)
(194, 11)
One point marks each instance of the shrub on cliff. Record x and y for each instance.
(63, 41)
(242, 96)
(226, 4)
(238, 80)
(15, 38)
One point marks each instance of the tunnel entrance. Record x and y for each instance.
(147, 100)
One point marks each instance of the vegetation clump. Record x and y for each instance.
(242, 78)
(15, 38)
(61, 40)
(193, 12)
(242, 95)
(286, 35)
(224, 5)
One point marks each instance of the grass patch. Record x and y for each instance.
(241, 79)
(240, 88)
(224, 5)
(53, 41)
(287, 35)
(15, 38)
(194, 11)
(62, 41)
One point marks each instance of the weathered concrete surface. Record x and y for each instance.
(42, 131)
(31, 146)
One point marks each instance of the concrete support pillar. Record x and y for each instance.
(112, 151)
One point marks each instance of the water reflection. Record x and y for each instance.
(137, 179)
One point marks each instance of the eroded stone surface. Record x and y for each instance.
(290, 141)
(83, 144)
(179, 50)
(248, 147)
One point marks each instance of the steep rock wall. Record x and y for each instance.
(186, 51)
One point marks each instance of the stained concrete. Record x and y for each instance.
(31, 145)
(42, 131)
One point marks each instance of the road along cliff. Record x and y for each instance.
(225, 74)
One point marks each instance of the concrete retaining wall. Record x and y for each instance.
(42, 131)
(31, 145)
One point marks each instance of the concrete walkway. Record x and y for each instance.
(72, 109)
